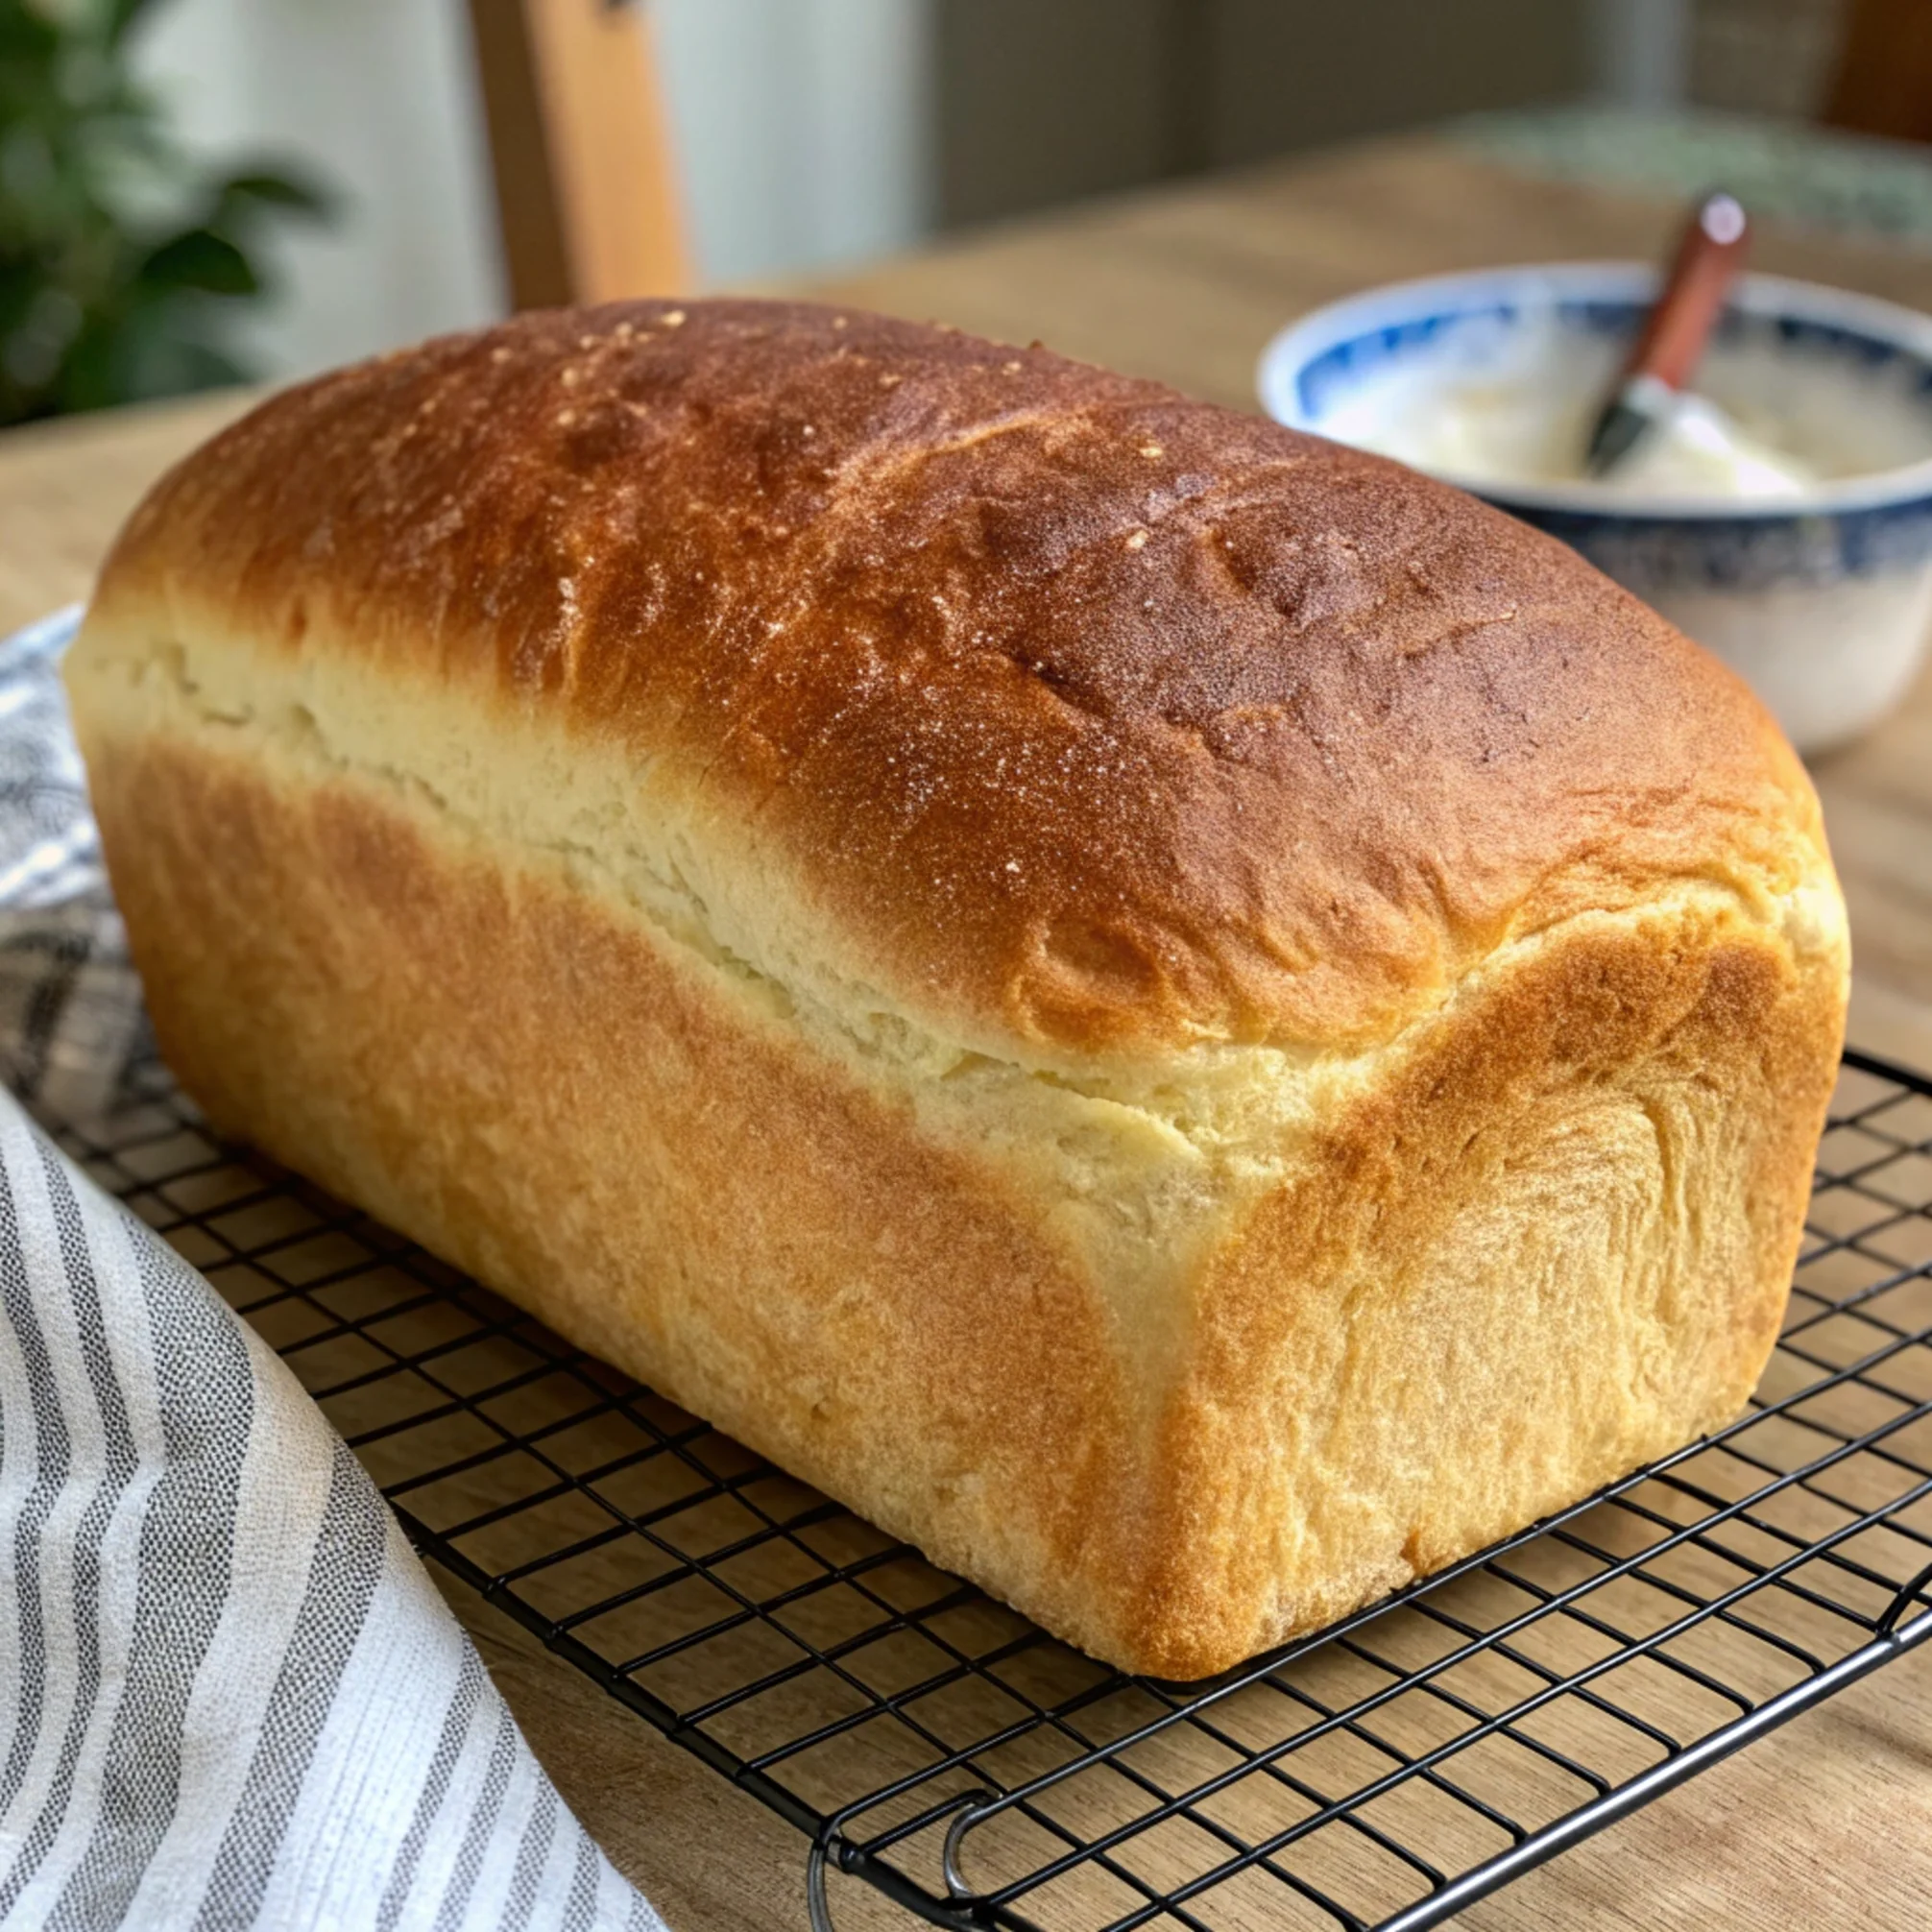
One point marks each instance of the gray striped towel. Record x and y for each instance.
(230, 1695)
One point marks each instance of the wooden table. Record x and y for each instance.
(1828, 1822)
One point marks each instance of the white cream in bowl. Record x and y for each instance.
(1519, 433)
(1754, 426)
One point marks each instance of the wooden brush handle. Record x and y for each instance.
(1708, 258)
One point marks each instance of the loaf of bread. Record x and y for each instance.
(1190, 1020)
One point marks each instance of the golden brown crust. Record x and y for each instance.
(1084, 716)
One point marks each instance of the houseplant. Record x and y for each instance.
(122, 260)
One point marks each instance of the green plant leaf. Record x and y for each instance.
(152, 344)
(94, 374)
(272, 188)
(27, 35)
(198, 258)
(20, 282)
(122, 15)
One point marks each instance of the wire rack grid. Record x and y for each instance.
(1382, 1775)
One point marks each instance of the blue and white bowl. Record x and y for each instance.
(1822, 601)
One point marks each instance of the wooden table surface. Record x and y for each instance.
(1827, 1823)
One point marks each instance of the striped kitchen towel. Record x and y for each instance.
(230, 1695)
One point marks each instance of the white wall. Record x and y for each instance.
(804, 129)
(802, 126)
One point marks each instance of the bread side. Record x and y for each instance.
(1179, 1359)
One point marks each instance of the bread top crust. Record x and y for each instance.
(1081, 716)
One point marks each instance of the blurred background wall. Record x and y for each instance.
(1036, 101)
(1771, 57)
(815, 132)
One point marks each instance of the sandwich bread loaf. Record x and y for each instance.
(1192, 1021)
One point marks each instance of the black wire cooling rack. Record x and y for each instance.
(1384, 1775)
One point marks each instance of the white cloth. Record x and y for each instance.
(230, 1695)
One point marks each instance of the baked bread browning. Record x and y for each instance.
(1192, 1022)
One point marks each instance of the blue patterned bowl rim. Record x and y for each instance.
(1408, 312)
